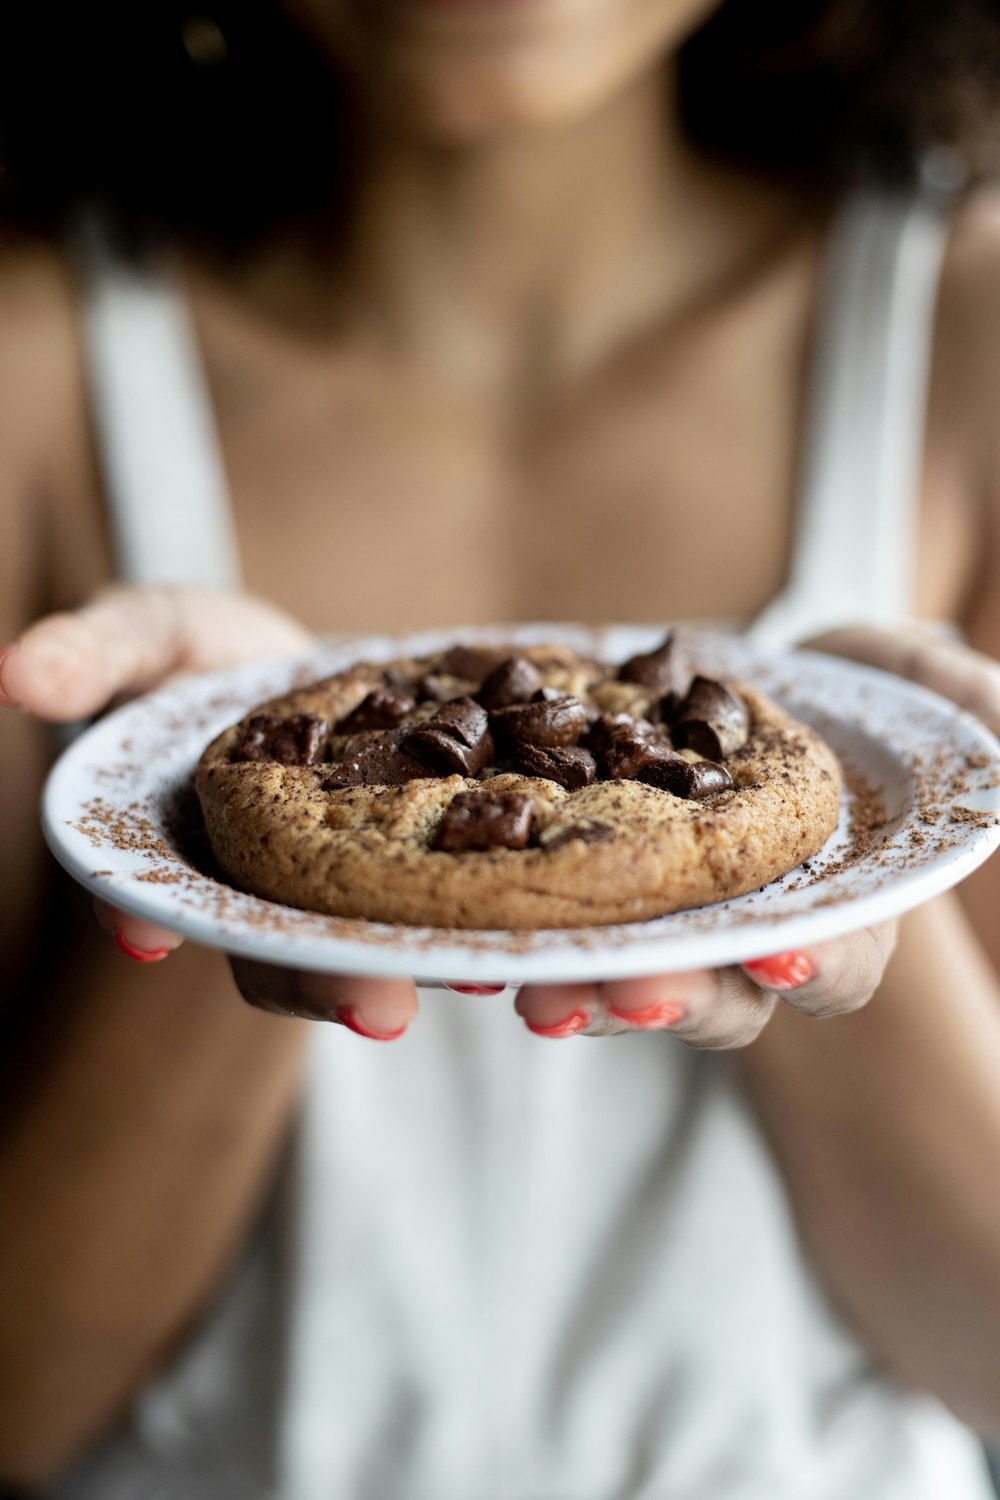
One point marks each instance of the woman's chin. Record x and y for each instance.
(462, 71)
(489, 103)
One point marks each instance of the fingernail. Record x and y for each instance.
(572, 1024)
(666, 1013)
(782, 971)
(348, 1017)
(142, 956)
(475, 989)
(5, 698)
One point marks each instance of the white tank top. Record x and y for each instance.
(496, 1268)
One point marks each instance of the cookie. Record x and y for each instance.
(519, 787)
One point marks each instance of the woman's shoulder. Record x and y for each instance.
(962, 450)
(967, 358)
(46, 445)
(973, 256)
(40, 376)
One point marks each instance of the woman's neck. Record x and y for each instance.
(530, 249)
(522, 263)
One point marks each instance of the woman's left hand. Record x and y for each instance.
(716, 1009)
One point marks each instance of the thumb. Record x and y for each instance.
(927, 656)
(126, 640)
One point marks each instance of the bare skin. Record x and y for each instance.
(448, 382)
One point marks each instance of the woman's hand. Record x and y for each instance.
(924, 654)
(710, 1009)
(127, 641)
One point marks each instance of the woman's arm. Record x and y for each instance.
(887, 1125)
(887, 1122)
(143, 1104)
(128, 1177)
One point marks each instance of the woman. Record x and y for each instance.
(510, 333)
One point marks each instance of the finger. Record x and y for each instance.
(828, 979)
(139, 940)
(380, 1009)
(68, 666)
(557, 1010)
(924, 655)
(711, 1009)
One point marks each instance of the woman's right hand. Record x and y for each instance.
(127, 641)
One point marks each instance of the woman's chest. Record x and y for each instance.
(370, 499)
(369, 496)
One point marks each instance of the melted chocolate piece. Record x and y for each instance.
(624, 746)
(382, 709)
(479, 821)
(398, 680)
(666, 709)
(551, 723)
(662, 671)
(676, 775)
(470, 662)
(382, 763)
(435, 689)
(299, 740)
(456, 739)
(587, 833)
(571, 767)
(712, 720)
(513, 681)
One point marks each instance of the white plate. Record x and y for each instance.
(119, 813)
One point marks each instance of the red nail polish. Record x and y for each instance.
(666, 1013)
(782, 971)
(142, 956)
(475, 989)
(5, 698)
(348, 1017)
(572, 1024)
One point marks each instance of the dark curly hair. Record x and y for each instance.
(221, 122)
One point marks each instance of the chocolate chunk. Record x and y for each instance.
(471, 662)
(478, 821)
(571, 767)
(707, 779)
(662, 671)
(552, 722)
(666, 709)
(447, 756)
(623, 745)
(299, 740)
(587, 833)
(382, 763)
(398, 680)
(464, 718)
(676, 775)
(456, 739)
(435, 689)
(513, 681)
(712, 720)
(382, 709)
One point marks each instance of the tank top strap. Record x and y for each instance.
(165, 486)
(855, 542)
